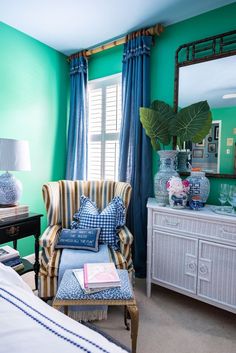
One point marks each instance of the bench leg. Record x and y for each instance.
(58, 307)
(134, 315)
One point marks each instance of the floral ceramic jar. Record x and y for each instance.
(178, 192)
(199, 186)
(178, 200)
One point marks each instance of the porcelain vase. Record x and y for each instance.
(10, 190)
(199, 189)
(166, 171)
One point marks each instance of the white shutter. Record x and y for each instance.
(95, 111)
(111, 160)
(113, 108)
(104, 127)
(94, 160)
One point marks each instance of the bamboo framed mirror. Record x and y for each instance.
(206, 70)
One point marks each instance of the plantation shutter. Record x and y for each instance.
(104, 128)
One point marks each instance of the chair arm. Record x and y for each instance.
(49, 237)
(125, 236)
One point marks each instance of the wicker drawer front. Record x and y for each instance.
(210, 228)
(226, 231)
(168, 221)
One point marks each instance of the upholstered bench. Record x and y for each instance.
(70, 294)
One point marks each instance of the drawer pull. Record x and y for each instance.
(226, 232)
(13, 231)
(172, 224)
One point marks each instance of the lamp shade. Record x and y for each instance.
(14, 155)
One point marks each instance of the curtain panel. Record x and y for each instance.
(77, 140)
(135, 163)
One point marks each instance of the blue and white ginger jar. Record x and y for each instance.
(199, 186)
(166, 171)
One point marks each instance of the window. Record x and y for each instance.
(104, 127)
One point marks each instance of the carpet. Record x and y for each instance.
(171, 323)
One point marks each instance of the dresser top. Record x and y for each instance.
(206, 212)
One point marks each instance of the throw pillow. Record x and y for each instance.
(84, 239)
(109, 220)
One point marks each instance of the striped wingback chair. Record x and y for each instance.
(62, 200)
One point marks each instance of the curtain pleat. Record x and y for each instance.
(135, 163)
(77, 143)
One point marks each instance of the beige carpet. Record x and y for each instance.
(172, 323)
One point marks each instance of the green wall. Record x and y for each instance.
(163, 59)
(108, 62)
(33, 106)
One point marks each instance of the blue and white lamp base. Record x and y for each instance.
(10, 190)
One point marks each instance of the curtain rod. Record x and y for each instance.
(154, 30)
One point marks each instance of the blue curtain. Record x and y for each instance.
(77, 141)
(135, 164)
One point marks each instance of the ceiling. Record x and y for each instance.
(71, 25)
(209, 81)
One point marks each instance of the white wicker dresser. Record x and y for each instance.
(193, 253)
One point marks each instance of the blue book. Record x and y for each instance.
(13, 262)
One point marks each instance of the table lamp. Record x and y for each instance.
(14, 156)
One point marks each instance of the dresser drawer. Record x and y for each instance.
(195, 226)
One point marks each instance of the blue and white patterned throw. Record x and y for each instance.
(70, 289)
(109, 220)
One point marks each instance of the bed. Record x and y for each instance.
(27, 324)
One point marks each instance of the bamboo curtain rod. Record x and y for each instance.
(154, 30)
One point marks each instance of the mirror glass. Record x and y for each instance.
(214, 81)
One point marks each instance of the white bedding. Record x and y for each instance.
(28, 325)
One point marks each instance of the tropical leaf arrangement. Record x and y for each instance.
(161, 123)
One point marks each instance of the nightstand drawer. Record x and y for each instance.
(17, 231)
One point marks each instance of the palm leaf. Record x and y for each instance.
(192, 122)
(202, 134)
(156, 121)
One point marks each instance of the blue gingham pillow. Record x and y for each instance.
(109, 220)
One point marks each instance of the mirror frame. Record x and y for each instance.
(210, 48)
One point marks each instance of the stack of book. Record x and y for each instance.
(95, 277)
(11, 257)
(13, 211)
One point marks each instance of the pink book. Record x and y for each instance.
(98, 275)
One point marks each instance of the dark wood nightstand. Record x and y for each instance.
(22, 226)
